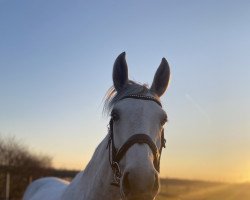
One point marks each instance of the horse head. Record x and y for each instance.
(136, 131)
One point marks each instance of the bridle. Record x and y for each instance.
(115, 155)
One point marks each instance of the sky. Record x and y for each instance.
(56, 60)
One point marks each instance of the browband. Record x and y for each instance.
(143, 97)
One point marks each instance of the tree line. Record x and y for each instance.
(13, 153)
(24, 165)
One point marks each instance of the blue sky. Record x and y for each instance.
(56, 61)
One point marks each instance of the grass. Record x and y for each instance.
(174, 189)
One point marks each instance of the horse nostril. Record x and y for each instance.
(130, 184)
(125, 184)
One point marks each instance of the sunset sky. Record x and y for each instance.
(56, 60)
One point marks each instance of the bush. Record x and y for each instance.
(15, 154)
(22, 164)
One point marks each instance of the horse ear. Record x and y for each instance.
(120, 72)
(161, 78)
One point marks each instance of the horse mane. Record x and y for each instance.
(112, 96)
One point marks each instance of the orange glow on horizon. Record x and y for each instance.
(238, 175)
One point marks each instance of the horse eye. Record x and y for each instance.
(115, 116)
(164, 121)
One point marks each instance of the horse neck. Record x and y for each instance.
(94, 182)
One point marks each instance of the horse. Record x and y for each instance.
(126, 164)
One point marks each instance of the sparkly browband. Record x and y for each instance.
(144, 97)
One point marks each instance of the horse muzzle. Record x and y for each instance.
(134, 187)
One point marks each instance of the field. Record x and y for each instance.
(174, 189)
(171, 189)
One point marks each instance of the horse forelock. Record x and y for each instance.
(132, 88)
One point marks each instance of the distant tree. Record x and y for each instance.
(17, 159)
(23, 165)
(13, 153)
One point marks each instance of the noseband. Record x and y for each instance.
(115, 155)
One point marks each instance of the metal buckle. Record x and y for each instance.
(117, 174)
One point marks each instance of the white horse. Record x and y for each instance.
(125, 165)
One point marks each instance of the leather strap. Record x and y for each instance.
(140, 139)
(142, 97)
